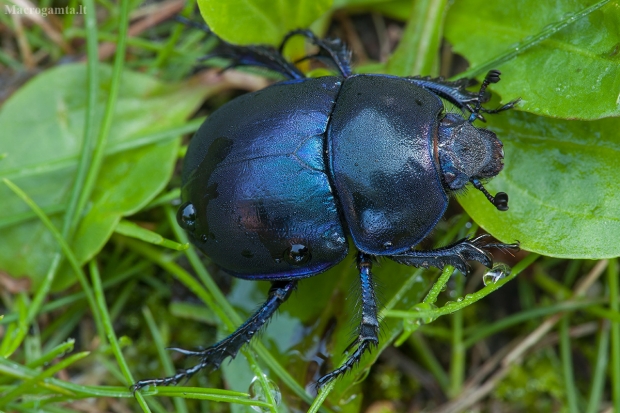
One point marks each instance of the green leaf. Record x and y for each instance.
(562, 179)
(573, 74)
(42, 127)
(260, 21)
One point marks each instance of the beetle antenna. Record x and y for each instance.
(491, 77)
(500, 200)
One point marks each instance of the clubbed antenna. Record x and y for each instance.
(500, 200)
(491, 77)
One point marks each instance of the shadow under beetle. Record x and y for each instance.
(276, 180)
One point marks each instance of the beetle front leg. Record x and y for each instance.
(335, 51)
(456, 93)
(456, 254)
(229, 347)
(368, 333)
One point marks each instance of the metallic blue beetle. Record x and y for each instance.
(275, 181)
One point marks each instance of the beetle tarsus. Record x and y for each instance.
(229, 347)
(368, 333)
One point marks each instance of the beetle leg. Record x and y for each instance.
(258, 55)
(456, 254)
(229, 347)
(368, 333)
(332, 51)
(456, 93)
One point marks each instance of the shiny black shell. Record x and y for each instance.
(275, 181)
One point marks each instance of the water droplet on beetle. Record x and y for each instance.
(203, 238)
(257, 392)
(387, 244)
(496, 273)
(297, 254)
(186, 216)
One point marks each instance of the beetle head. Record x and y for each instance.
(468, 154)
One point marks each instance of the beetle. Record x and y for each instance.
(275, 182)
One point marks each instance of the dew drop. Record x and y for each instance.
(257, 392)
(186, 216)
(496, 273)
(425, 308)
(297, 254)
(203, 238)
(387, 245)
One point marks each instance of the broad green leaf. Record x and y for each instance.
(396, 9)
(562, 179)
(42, 127)
(573, 74)
(260, 21)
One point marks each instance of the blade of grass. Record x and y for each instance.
(92, 87)
(106, 124)
(109, 331)
(320, 398)
(430, 360)
(457, 360)
(567, 366)
(57, 351)
(418, 49)
(217, 395)
(469, 299)
(614, 304)
(164, 54)
(131, 229)
(27, 385)
(600, 367)
(164, 358)
(13, 335)
(437, 287)
(264, 382)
